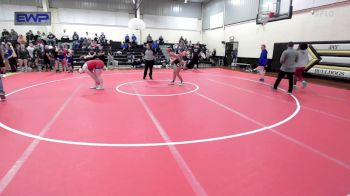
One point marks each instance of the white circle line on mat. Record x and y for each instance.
(146, 144)
(156, 95)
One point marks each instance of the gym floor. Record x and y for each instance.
(222, 133)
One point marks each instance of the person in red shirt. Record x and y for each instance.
(94, 69)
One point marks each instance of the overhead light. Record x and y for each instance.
(185, 1)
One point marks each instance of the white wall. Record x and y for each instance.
(113, 24)
(7, 18)
(213, 39)
(329, 23)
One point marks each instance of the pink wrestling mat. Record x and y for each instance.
(222, 133)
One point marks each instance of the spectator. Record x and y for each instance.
(93, 45)
(87, 36)
(51, 39)
(37, 56)
(4, 36)
(13, 37)
(127, 39)
(149, 39)
(81, 41)
(185, 41)
(22, 40)
(96, 38)
(65, 37)
(134, 39)
(181, 47)
(195, 55)
(86, 44)
(23, 57)
(212, 58)
(181, 39)
(75, 39)
(10, 57)
(30, 36)
(110, 59)
(38, 36)
(47, 59)
(31, 58)
(2, 71)
(102, 39)
(155, 46)
(61, 58)
(70, 62)
(44, 38)
(161, 40)
(91, 54)
(124, 46)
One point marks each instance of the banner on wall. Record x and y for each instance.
(33, 18)
(329, 58)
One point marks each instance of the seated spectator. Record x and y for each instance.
(134, 39)
(75, 39)
(127, 39)
(91, 54)
(161, 40)
(81, 41)
(86, 44)
(30, 36)
(65, 37)
(130, 47)
(93, 45)
(149, 39)
(51, 39)
(124, 46)
(155, 46)
(22, 40)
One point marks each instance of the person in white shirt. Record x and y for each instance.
(31, 59)
(303, 60)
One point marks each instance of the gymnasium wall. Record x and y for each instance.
(113, 24)
(326, 23)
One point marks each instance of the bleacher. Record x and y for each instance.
(123, 59)
(126, 59)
